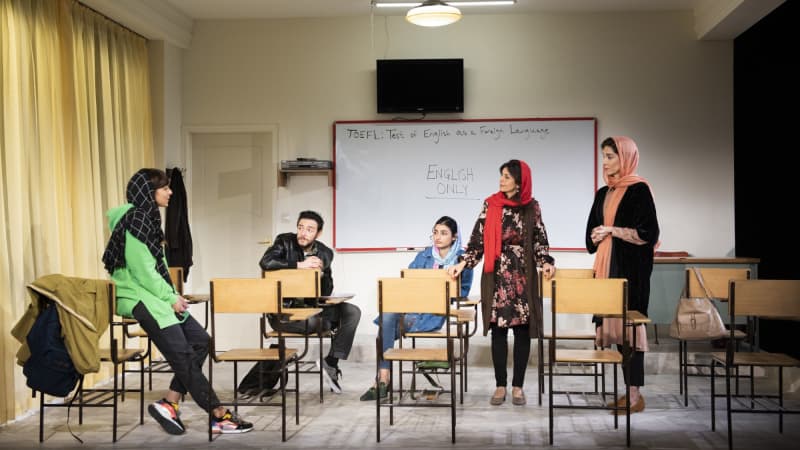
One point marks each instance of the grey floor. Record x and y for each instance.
(345, 422)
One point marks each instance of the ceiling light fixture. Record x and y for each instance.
(433, 13)
(382, 4)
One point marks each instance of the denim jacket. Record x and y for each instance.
(431, 322)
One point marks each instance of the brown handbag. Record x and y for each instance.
(697, 319)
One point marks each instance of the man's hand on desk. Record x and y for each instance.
(312, 262)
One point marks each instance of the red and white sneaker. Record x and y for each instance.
(230, 423)
(166, 413)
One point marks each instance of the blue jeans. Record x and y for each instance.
(391, 332)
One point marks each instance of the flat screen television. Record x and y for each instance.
(420, 85)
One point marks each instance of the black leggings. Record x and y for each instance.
(522, 350)
(185, 347)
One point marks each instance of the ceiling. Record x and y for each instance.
(241, 9)
(172, 20)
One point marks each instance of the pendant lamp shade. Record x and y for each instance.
(433, 13)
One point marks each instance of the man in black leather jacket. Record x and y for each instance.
(302, 250)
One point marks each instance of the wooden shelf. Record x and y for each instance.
(283, 175)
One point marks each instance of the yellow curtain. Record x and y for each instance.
(75, 124)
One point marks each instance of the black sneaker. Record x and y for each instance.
(332, 376)
(167, 415)
(230, 423)
(373, 393)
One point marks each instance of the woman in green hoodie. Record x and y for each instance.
(135, 259)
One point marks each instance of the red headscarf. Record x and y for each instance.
(493, 226)
(628, 163)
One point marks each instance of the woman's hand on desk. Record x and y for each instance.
(456, 269)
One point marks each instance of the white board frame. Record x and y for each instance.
(394, 179)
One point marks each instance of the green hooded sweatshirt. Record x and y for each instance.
(139, 281)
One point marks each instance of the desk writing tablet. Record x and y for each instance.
(197, 298)
(335, 299)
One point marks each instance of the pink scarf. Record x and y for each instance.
(628, 163)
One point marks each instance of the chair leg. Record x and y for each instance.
(297, 392)
(728, 403)
(453, 402)
(713, 396)
(616, 396)
(208, 396)
(541, 369)
(377, 384)
(685, 364)
(462, 364)
(628, 405)
(466, 361)
(41, 414)
(461, 381)
(680, 366)
(736, 347)
(150, 364)
(321, 357)
(752, 386)
(413, 386)
(391, 389)
(751, 381)
(284, 379)
(603, 393)
(550, 390)
(116, 403)
(141, 391)
(400, 381)
(121, 375)
(80, 404)
(780, 399)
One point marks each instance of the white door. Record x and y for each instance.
(233, 184)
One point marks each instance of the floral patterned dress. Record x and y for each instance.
(509, 303)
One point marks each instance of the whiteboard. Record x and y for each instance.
(395, 179)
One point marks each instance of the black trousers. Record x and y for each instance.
(342, 319)
(637, 368)
(522, 350)
(185, 347)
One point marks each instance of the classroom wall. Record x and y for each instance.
(165, 86)
(640, 74)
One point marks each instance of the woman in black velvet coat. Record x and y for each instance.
(623, 232)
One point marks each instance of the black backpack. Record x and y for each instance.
(264, 376)
(49, 368)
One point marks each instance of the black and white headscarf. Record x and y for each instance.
(143, 221)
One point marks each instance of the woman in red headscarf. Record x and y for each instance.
(623, 232)
(510, 236)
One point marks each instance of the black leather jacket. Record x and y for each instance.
(285, 253)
